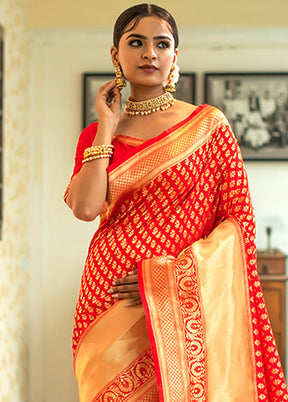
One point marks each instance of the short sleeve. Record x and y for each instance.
(85, 141)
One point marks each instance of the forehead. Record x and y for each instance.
(152, 25)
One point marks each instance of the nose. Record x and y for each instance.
(149, 53)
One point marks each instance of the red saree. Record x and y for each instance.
(178, 206)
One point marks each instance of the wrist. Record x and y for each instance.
(104, 134)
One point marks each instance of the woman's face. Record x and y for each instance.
(146, 53)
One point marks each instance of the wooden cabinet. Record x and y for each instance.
(271, 267)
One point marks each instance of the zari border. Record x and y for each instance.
(132, 384)
(198, 320)
(169, 345)
(89, 329)
(144, 144)
(226, 291)
(248, 307)
(163, 153)
(114, 358)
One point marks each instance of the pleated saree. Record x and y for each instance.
(178, 207)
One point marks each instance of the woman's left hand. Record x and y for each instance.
(127, 288)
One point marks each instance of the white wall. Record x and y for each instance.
(14, 253)
(87, 13)
(58, 59)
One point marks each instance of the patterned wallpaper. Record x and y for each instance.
(1, 127)
(14, 243)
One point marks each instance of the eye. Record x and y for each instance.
(135, 42)
(164, 44)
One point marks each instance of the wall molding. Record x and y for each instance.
(197, 37)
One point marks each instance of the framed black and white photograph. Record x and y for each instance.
(256, 105)
(185, 90)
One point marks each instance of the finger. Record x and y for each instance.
(110, 97)
(108, 86)
(132, 287)
(129, 295)
(116, 104)
(135, 302)
(125, 280)
(106, 89)
(117, 93)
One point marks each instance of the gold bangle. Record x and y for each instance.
(98, 154)
(98, 150)
(93, 157)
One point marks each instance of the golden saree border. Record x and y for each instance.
(165, 327)
(199, 301)
(160, 154)
(133, 141)
(113, 360)
(222, 274)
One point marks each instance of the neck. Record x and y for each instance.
(143, 93)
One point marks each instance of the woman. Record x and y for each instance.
(170, 305)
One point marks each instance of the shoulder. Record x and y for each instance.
(90, 130)
(215, 114)
(184, 107)
(85, 141)
(88, 134)
(210, 112)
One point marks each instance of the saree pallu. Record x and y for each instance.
(179, 208)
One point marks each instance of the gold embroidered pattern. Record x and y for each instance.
(166, 324)
(139, 374)
(189, 298)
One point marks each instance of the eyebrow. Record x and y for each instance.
(132, 35)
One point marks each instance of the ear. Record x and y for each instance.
(114, 54)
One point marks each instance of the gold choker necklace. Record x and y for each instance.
(162, 102)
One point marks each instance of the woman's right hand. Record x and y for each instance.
(108, 105)
(88, 189)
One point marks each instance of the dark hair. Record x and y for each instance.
(136, 13)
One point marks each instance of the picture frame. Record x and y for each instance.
(92, 81)
(186, 88)
(256, 105)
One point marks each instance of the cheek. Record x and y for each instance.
(127, 61)
(167, 57)
(127, 69)
(167, 62)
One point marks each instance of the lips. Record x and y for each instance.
(148, 68)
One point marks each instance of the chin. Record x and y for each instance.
(148, 82)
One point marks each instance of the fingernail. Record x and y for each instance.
(128, 304)
(113, 283)
(110, 291)
(130, 272)
(115, 296)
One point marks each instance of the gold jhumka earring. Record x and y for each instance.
(120, 82)
(170, 87)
